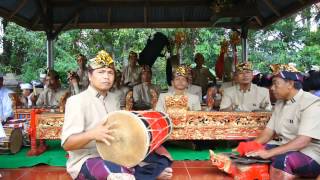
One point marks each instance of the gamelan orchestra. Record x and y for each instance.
(113, 123)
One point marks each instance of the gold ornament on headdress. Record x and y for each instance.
(181, 71)
(277, 68)
(244, 66)
(103, 59)
(235, 38)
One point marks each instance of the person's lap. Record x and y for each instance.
(295, 163)
(151, 168)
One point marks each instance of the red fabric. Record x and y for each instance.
(163, 151)
(245, 147)
(220, 66)
(254, 171)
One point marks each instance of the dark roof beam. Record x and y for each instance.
(214, 20)
(258, 20)
(183, 18)
(109, 16)
(19, 20)
(35, 21)
(22, 3)
(79, 7)
(272, 7)
(47, 23)
(145, 12)
(128, 3)
(76, 19)
(172, 24)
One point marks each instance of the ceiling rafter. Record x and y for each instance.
(131, 3)
(78, 8)
(19, 20)
(272, 7)
(43, 9)
(21, 5)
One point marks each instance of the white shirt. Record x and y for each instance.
(192, 89)
(85, 111)
(257, 98)
(5, 104)
(298, 116)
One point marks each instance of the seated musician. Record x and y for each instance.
(52, 95)
(83, 126)
(120, 90)
(42, 80)
(131, 72)
(192, 89)
(82, 72)
(144, 92)
(27, 99)
(295, 121)
(74, 83)
(179, 83)
(201, 74)
(6, 111)
(245, 96)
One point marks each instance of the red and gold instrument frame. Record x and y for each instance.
(197, 125)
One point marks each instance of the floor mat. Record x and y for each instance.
(56, 156)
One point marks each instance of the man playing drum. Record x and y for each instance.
(245, 96)
(83, 125)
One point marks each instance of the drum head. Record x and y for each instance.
(15, 140)
(131, 142)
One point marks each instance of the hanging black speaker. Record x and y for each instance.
(153, 48)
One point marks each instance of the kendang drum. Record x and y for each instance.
(13, 142)
(136, 133)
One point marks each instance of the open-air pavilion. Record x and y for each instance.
(56, 16)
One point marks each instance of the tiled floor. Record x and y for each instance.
(182, 170)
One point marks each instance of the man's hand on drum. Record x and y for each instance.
(104, 133)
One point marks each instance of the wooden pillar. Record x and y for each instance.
(50, 56)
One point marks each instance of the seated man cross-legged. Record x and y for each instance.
(295, 123)
(83, 126)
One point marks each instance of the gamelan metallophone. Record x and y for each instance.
(193, 125)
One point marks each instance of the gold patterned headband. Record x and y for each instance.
(181, 71)
(103, 59)
(277, 68)
(244, 66)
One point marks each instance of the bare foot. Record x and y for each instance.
(166, 174)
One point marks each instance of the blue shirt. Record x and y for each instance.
(5, 104)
